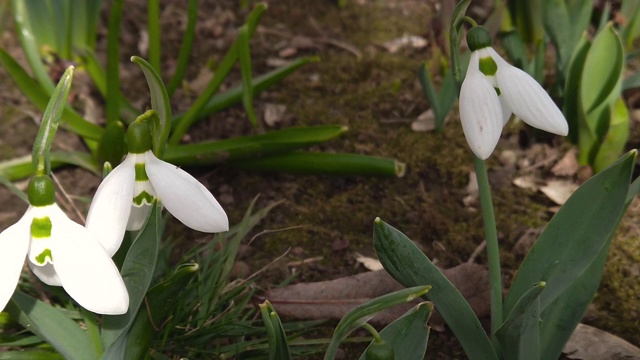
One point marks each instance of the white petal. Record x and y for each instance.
(506, 111)
(46, 273)
(527, 99)
(480, 111)
(86, 271)
(185, 197)
(111, 206)
(14, 242)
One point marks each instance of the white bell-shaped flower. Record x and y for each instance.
(124, 198)
(492, 90)
(61, 253)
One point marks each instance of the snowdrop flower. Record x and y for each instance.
(61, 253)
(124, 199)
(492, 90)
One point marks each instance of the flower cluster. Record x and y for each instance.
(63, 253)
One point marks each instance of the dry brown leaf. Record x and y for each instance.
(526, 182)
(334, 298)
(368, 262)
(413, 41)
(559, 190)
(273, 113)
(425, 122)
(568, 165)
(589, 343)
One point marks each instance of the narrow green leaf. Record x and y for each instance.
(409, 333)
(246, 147)
(157, 308)
(159, 103)
(39, 98)
(278, 345)
(29, 41)
(185, 47)
(153, 28)
(571, 105)
(409, 266)
(184, 123)
(51, 325)
(30, 355)
(455, 38)
(113, 62)
(137, 273)
(575, 235)
(616, 137)
(363, 312)
(20, 167)
(519, 335)
(50, 120)
(14, 189)
(244, 54)
(298, 162)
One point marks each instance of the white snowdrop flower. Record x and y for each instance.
(124, 199)
(61, 253)
(492, 90)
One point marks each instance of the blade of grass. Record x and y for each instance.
(20, 167)
(184, 123)
(113, 62)
(153, 27)
(185, 47)
(323, 163)
(213, 152)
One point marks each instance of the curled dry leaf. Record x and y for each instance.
(368, 262)
(334, 298)
(425, 122)
(527, 182)
(589, 343)
(273, 113)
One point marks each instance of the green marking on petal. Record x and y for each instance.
(141, 172)
(498, 91)
(143, 197)
(42, 258)
(488, 66)
(41, 228)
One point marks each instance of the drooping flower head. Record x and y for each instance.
(492, 90)
(61, 253)
(124, 198)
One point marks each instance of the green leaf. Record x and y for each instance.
(409, 266)
(158, 307)
(602, 71)
(247, 147)
(30, 32)
(53, 326)
(113, 62)
(440, 101)
(20, 167)
(616, 137)
(50, 119)
(183, 124)
(137, 273)
(38, 96)
(159, 103)
(278, 345)
(570, 106)
(363, 312)
(575, 235)
(409, 333)
(326, 163)
(30, 355)
(185, 47)
(153, 27)
(599, 90)
(519, 335)
(455, 38)
(563, 315)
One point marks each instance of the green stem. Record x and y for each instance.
(493, 250)
(372, 331)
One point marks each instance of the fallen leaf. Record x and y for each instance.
(370, 263)
(472, 190)
(567, 166)
(425, 122)
(273, 113)
(589, 343)
(334, 298)
(559, 190)
(527, 182)
(413, 41)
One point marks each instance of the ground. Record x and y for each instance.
(358, 83)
